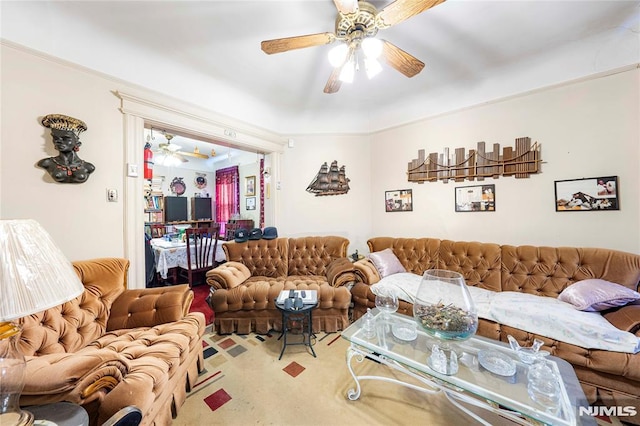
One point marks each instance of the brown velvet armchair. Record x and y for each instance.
(112, 347)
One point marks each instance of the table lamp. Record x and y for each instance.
(34, 276)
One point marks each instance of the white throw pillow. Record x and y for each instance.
(386, 262)
(597, 295)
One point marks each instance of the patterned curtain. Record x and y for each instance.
(227, 195)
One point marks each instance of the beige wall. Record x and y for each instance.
(348, 215)
(586, 129)
(77, 216)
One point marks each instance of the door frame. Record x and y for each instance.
(140, 110)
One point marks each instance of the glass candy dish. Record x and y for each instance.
(497, 362)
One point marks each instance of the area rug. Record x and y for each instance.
(245, 384)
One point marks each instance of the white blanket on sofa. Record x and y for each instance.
(545, 316)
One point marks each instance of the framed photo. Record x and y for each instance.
(587, 194)
(251, 203)
(250, 186)
(477, 198)
(399, 200)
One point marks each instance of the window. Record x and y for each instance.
(227, 195)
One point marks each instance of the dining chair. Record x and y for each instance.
(201, 248)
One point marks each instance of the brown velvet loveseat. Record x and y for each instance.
(112, 347)
(612, 377)
(244, 288)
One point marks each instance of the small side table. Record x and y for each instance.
(60, 413)
(303, 315)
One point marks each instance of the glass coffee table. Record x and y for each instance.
(472, 384)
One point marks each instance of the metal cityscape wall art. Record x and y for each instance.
(521, 162)
(330, 180)
(67, 166)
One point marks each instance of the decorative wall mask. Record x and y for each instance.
(329, 181)
(178, 186)
(520, 162)
(66, 167)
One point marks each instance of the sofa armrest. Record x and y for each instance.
(76, 377)
(366, 271)
(340, 272)
(626, 318)
(150, 307)
(228, 275)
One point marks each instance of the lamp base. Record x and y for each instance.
(22, 418)
(12, 367)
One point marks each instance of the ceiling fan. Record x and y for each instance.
(169, 149)
(357, 23)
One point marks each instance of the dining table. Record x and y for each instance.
(172, 254)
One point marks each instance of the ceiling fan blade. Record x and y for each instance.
(402, 61)
(179, 156)
(346, 6)
(299, 42)
(334, 83)
(401, 10)
(195, 154)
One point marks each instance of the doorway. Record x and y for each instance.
(140, 113)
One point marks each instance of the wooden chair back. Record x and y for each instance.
(201, 250)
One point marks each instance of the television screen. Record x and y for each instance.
(175, 209)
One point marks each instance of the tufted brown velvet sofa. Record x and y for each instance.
(244, 288)
(112, 347)
(544, 271)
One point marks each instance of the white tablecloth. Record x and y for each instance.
(171, 254)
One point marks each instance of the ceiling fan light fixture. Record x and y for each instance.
(348, 71)
(372, 47)
(372, 67)
(168, 160)
(338, 55)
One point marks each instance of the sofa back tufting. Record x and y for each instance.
(543, 271)
(268, 258)
(312, 255)
(70, 326)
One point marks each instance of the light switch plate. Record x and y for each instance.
(112, 195)
(132, 170)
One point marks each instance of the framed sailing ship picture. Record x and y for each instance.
(399, 200)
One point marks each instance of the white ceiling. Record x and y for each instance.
(208, 53)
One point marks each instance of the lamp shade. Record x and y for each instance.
(34, 274)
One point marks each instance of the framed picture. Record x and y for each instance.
(251, 203)
(587, 194)
(399, 200)
(250, 186)
(477, 198)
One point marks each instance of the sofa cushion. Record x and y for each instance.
(544, 316)
(386, 262)
(597, 295)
